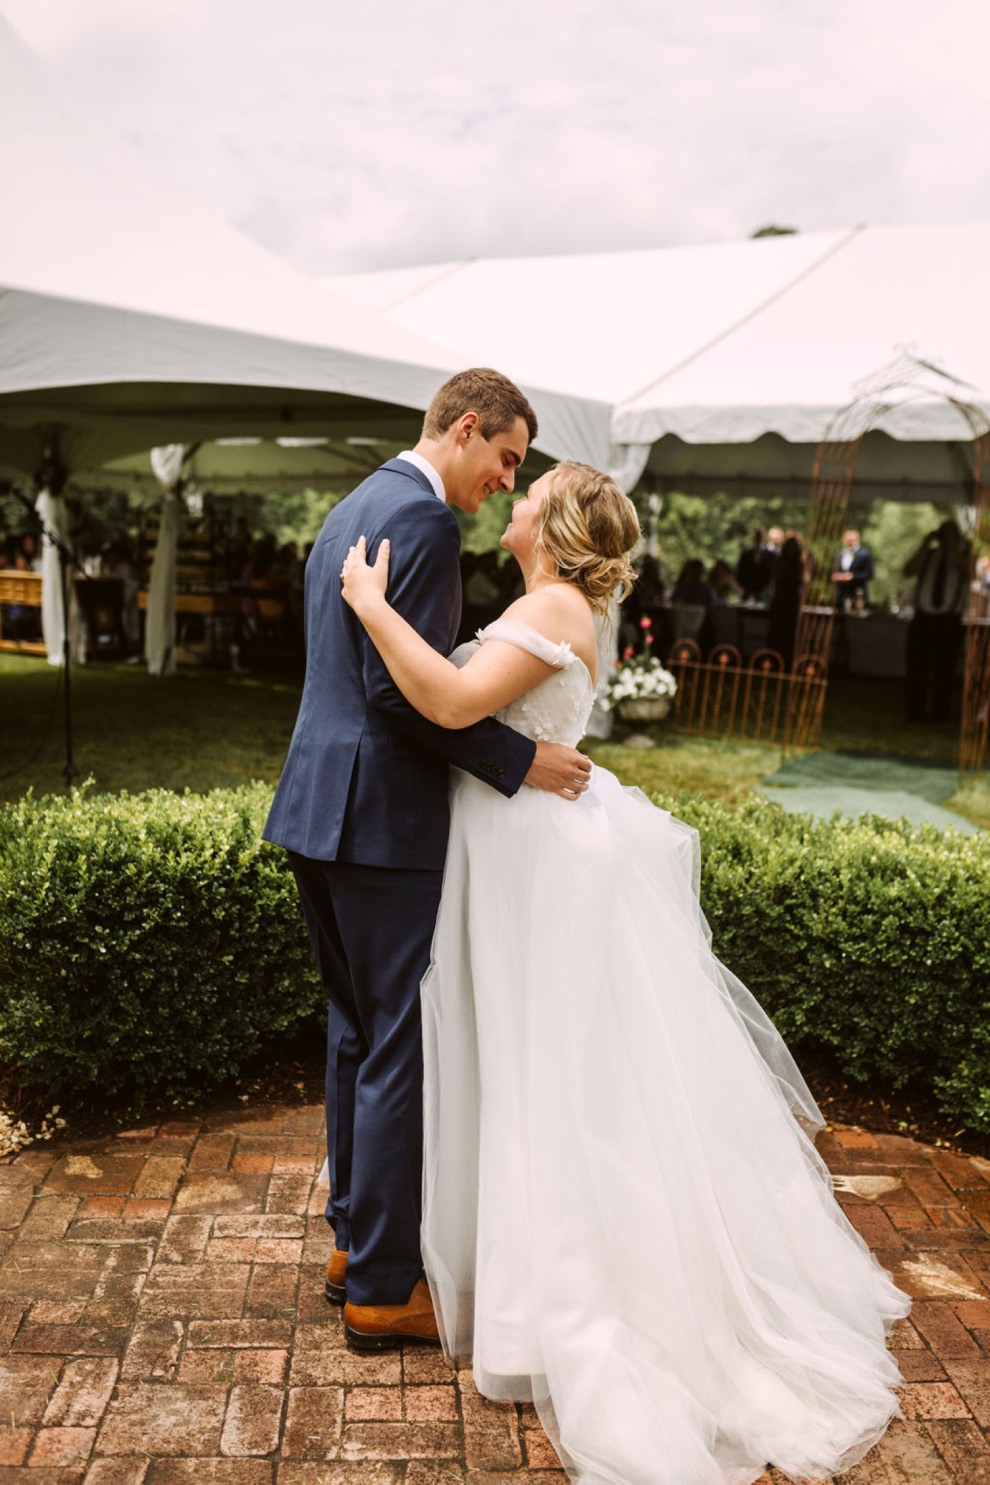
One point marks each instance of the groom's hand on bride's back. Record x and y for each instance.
(559, 770)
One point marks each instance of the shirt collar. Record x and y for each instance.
(425, 467)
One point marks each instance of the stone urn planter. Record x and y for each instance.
(644, 710)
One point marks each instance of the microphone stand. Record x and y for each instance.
(66, 559)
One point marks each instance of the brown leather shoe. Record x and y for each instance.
(336, 1274)
(382, 1327)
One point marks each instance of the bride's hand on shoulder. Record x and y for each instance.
(364, 583)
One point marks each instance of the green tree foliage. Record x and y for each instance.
(721, 525)
(290, 515)
(716, 526)
(481, 532)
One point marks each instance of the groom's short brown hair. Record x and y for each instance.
(496, 400)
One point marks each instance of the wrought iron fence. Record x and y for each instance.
(757, 700)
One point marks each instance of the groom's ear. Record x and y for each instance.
(466, 427)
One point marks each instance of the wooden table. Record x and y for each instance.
(24, 590)
(219, 605)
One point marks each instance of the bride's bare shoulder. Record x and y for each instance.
(561, 613)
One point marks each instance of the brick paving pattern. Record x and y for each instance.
(162, 1321)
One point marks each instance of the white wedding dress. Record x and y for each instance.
(624, 1222)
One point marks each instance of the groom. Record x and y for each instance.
(362, 808)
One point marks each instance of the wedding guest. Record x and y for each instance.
(22, 620)
(852, 572)
(940, 567)
(28, 557)
(692, 586)
(692, 602)
(115, 562)
(647, 599)
(754, 569)
(785, 604)
(727, 590)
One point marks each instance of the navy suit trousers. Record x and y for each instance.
(371, 928)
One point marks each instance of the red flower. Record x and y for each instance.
(628, 652)
(646, 623)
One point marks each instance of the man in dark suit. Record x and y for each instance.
(852, 573)
(362, 808)
(935, 634)
(754, 570)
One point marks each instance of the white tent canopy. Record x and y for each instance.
(131, 317)
(723, 365)
(232, 466)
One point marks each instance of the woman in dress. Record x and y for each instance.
(625, 1219)
(790, 576)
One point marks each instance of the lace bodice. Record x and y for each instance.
(556, 710)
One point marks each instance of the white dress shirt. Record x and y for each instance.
(424, 465)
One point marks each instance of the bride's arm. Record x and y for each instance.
(442, 692)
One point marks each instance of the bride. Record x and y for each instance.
(625, 1219)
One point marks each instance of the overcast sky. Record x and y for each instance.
(388, 132)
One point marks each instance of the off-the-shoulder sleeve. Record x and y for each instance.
(560, 656)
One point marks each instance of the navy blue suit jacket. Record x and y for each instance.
(860, 573)
(366, 778)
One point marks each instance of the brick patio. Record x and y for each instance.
(162, 1321)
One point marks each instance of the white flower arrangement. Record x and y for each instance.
(640, 675)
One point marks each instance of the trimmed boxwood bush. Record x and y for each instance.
(869, 938)
(149, 944)
(152, 943)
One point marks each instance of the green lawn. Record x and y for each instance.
(204, 729)
(201, 729)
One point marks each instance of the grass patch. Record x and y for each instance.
(972, 800)
(199, 730)
(209, 729)
(865, 714)
(725, 771)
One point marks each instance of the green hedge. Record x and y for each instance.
(151, 944)
(869, 938)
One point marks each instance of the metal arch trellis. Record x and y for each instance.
(723, 697)
(833, 473)
(973, 753)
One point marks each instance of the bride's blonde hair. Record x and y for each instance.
(587, 527)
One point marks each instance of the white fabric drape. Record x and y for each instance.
(600, 720)
(51, 510)
(159, 634)
(626, 462)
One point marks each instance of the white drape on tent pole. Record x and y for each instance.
(51, 510)
(600, 721)
(159, 634)
(626, 462)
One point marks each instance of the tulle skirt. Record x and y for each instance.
(625, 1219)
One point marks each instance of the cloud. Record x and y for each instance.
(360, 136)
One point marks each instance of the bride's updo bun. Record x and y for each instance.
(587, 527)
